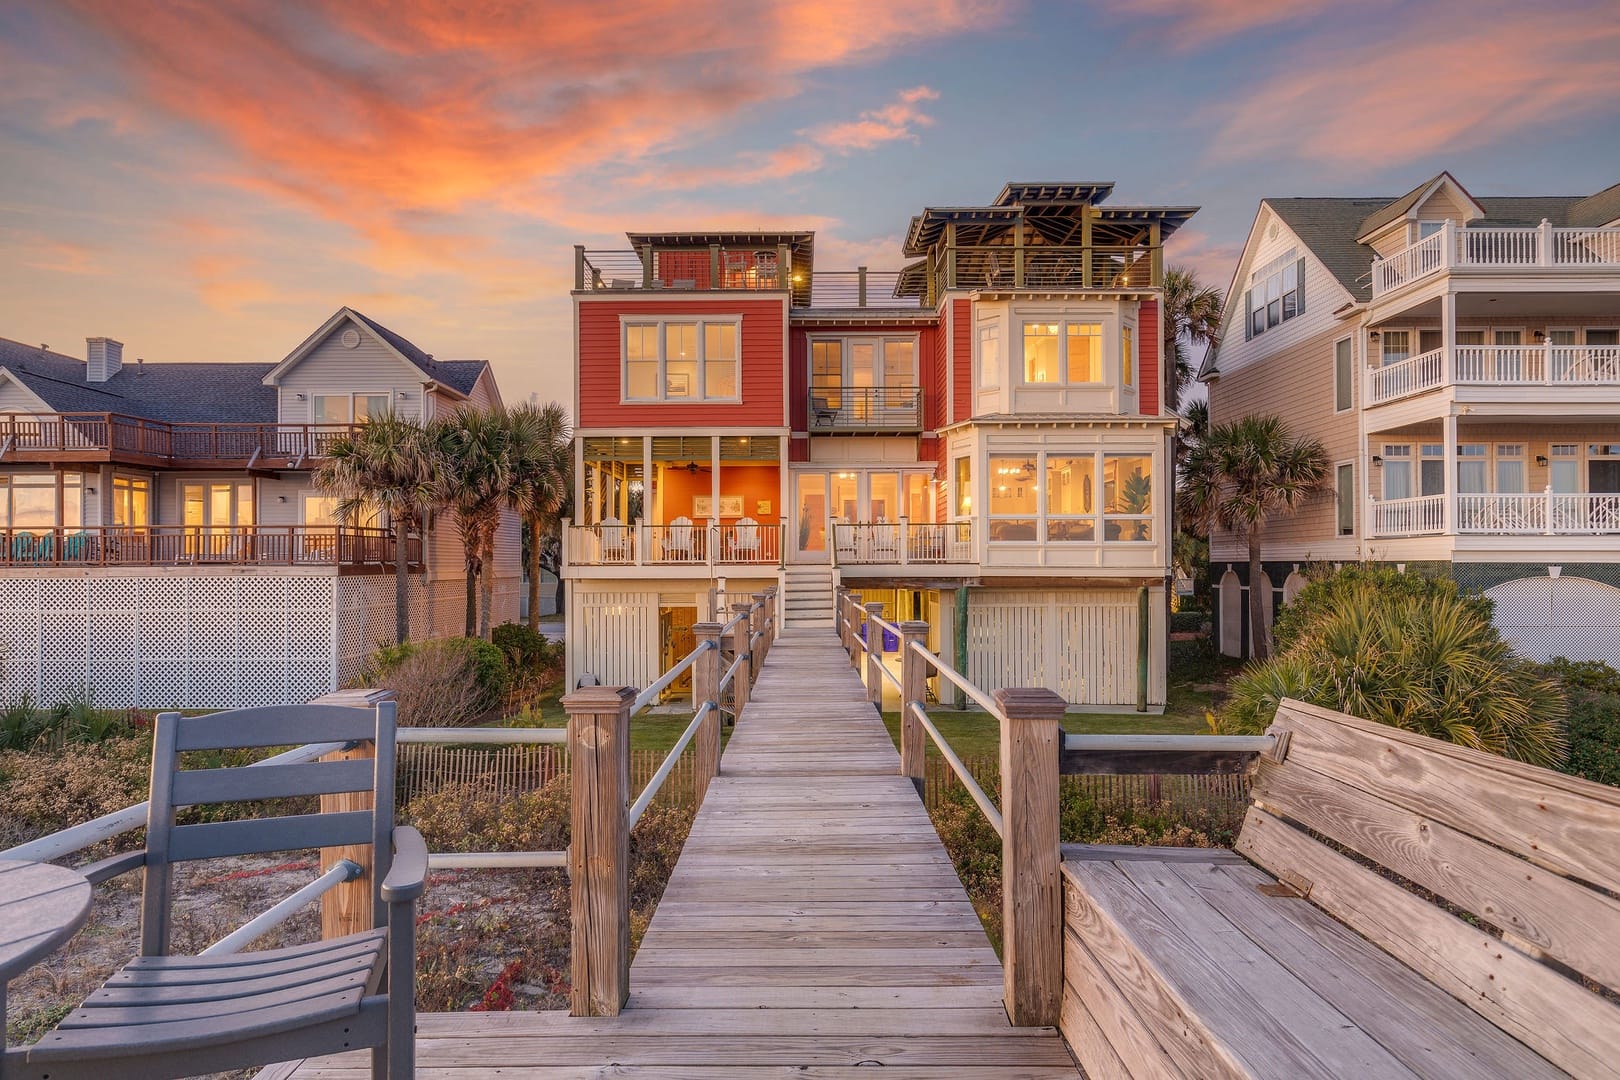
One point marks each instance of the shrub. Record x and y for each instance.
(1188, 621)
(448, 683)
(1418, 656)
(524, 649)
(48, 791)
(1329, 590)
(1594, 718)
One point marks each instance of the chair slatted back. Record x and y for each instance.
(1531, 852)
(245, 729)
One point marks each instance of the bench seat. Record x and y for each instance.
(1188, 962)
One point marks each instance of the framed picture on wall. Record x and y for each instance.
(703, 506)
(731, 506)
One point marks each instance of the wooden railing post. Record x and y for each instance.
(742, 682)
(705, 684)
(756, 622)
(874, 655)
(599, 848)
(350, 908)
(913, 687)
(1031, 882)
(841, 614)
(855, 612)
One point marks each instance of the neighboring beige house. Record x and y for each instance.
(1459, 358)
(162, 543)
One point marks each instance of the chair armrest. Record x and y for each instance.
(97, 872)
(408, 875)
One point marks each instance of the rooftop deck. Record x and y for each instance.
(813, 922)
(55, 437)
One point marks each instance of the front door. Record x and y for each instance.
(211, 510)
(675, 624)
(812, 520)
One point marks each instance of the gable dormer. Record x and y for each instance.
(348, 369)
(1418, 214)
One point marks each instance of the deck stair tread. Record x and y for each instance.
(813, 927)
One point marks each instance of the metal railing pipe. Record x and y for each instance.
(648, 792)
(979, 697)
(986, 807)
(261, 924)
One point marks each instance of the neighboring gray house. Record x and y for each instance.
(162, 543)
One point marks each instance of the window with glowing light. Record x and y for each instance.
(1015, 494)
(962, 480)
(1064, 353)
(681, 360)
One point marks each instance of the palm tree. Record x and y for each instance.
(542, 480)
(1240, 475)
(1192, 316)
(387, 465)
(474, 448)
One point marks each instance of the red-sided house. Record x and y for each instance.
(977, 438)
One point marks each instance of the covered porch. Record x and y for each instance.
(677, 500)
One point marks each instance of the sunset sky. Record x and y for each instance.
(210, 180)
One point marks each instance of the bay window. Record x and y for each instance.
(962, 478)
(1127, 497)
(681, 360)
(1014, 498)
(1070, 497)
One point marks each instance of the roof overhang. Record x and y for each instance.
(7, 375)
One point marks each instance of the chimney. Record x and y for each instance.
(103, 358)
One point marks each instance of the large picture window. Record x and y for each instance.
(1057, 497)
(681, 360)
(1063, 353)
(1276, 293)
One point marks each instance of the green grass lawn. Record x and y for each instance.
(647, 731)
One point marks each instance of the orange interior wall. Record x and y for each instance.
(754, 483)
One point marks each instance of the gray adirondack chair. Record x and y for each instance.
(165, 1016)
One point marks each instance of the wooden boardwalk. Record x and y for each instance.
(813, 927)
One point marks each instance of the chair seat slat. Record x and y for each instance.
(249, 980)
(265, 960)
(229, 1002)
(294, 833)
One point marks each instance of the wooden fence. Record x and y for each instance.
(1199, 801)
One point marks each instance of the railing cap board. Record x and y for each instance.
(913, 627)
(1030, 703)
(596, 699)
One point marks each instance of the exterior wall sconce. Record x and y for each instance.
(1541, 461)
(89, 491)
(1378, 462)
(1374, 336)
(1541, 337)
(281, 498)
(300, 397)
(403, 396)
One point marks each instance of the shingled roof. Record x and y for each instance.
(207, 392)
(216, 392)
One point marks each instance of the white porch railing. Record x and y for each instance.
(1498, 365)
(1413, 375)
(1546, 512)
(1491, 248)
(612, 543)
(1420, 516)
(902, 543)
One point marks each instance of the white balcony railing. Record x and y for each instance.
(1542, 247)
(902, 543)
(1424, 515)
(1403, 378)
(1497, 365)
(1543, 513)
(1546, 513)
(612, 543)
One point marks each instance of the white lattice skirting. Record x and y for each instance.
(208, 641)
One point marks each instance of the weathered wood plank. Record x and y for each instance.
(1570, 922)
(1553, 1015)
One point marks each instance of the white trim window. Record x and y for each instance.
(1059, 352)
(349, 408)
(677, 360)
(989, 354)
(1344, 497)
(1276, 293)
(1088, 495)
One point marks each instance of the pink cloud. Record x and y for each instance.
(394, 118)
(1395, 100)
(1192, 23)
(897, 120)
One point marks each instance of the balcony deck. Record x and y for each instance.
(813, 926)
(865, 408)
(352, 550)
(95, 437)
(1554, 371)
(1494, 251)
(1542, 514)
